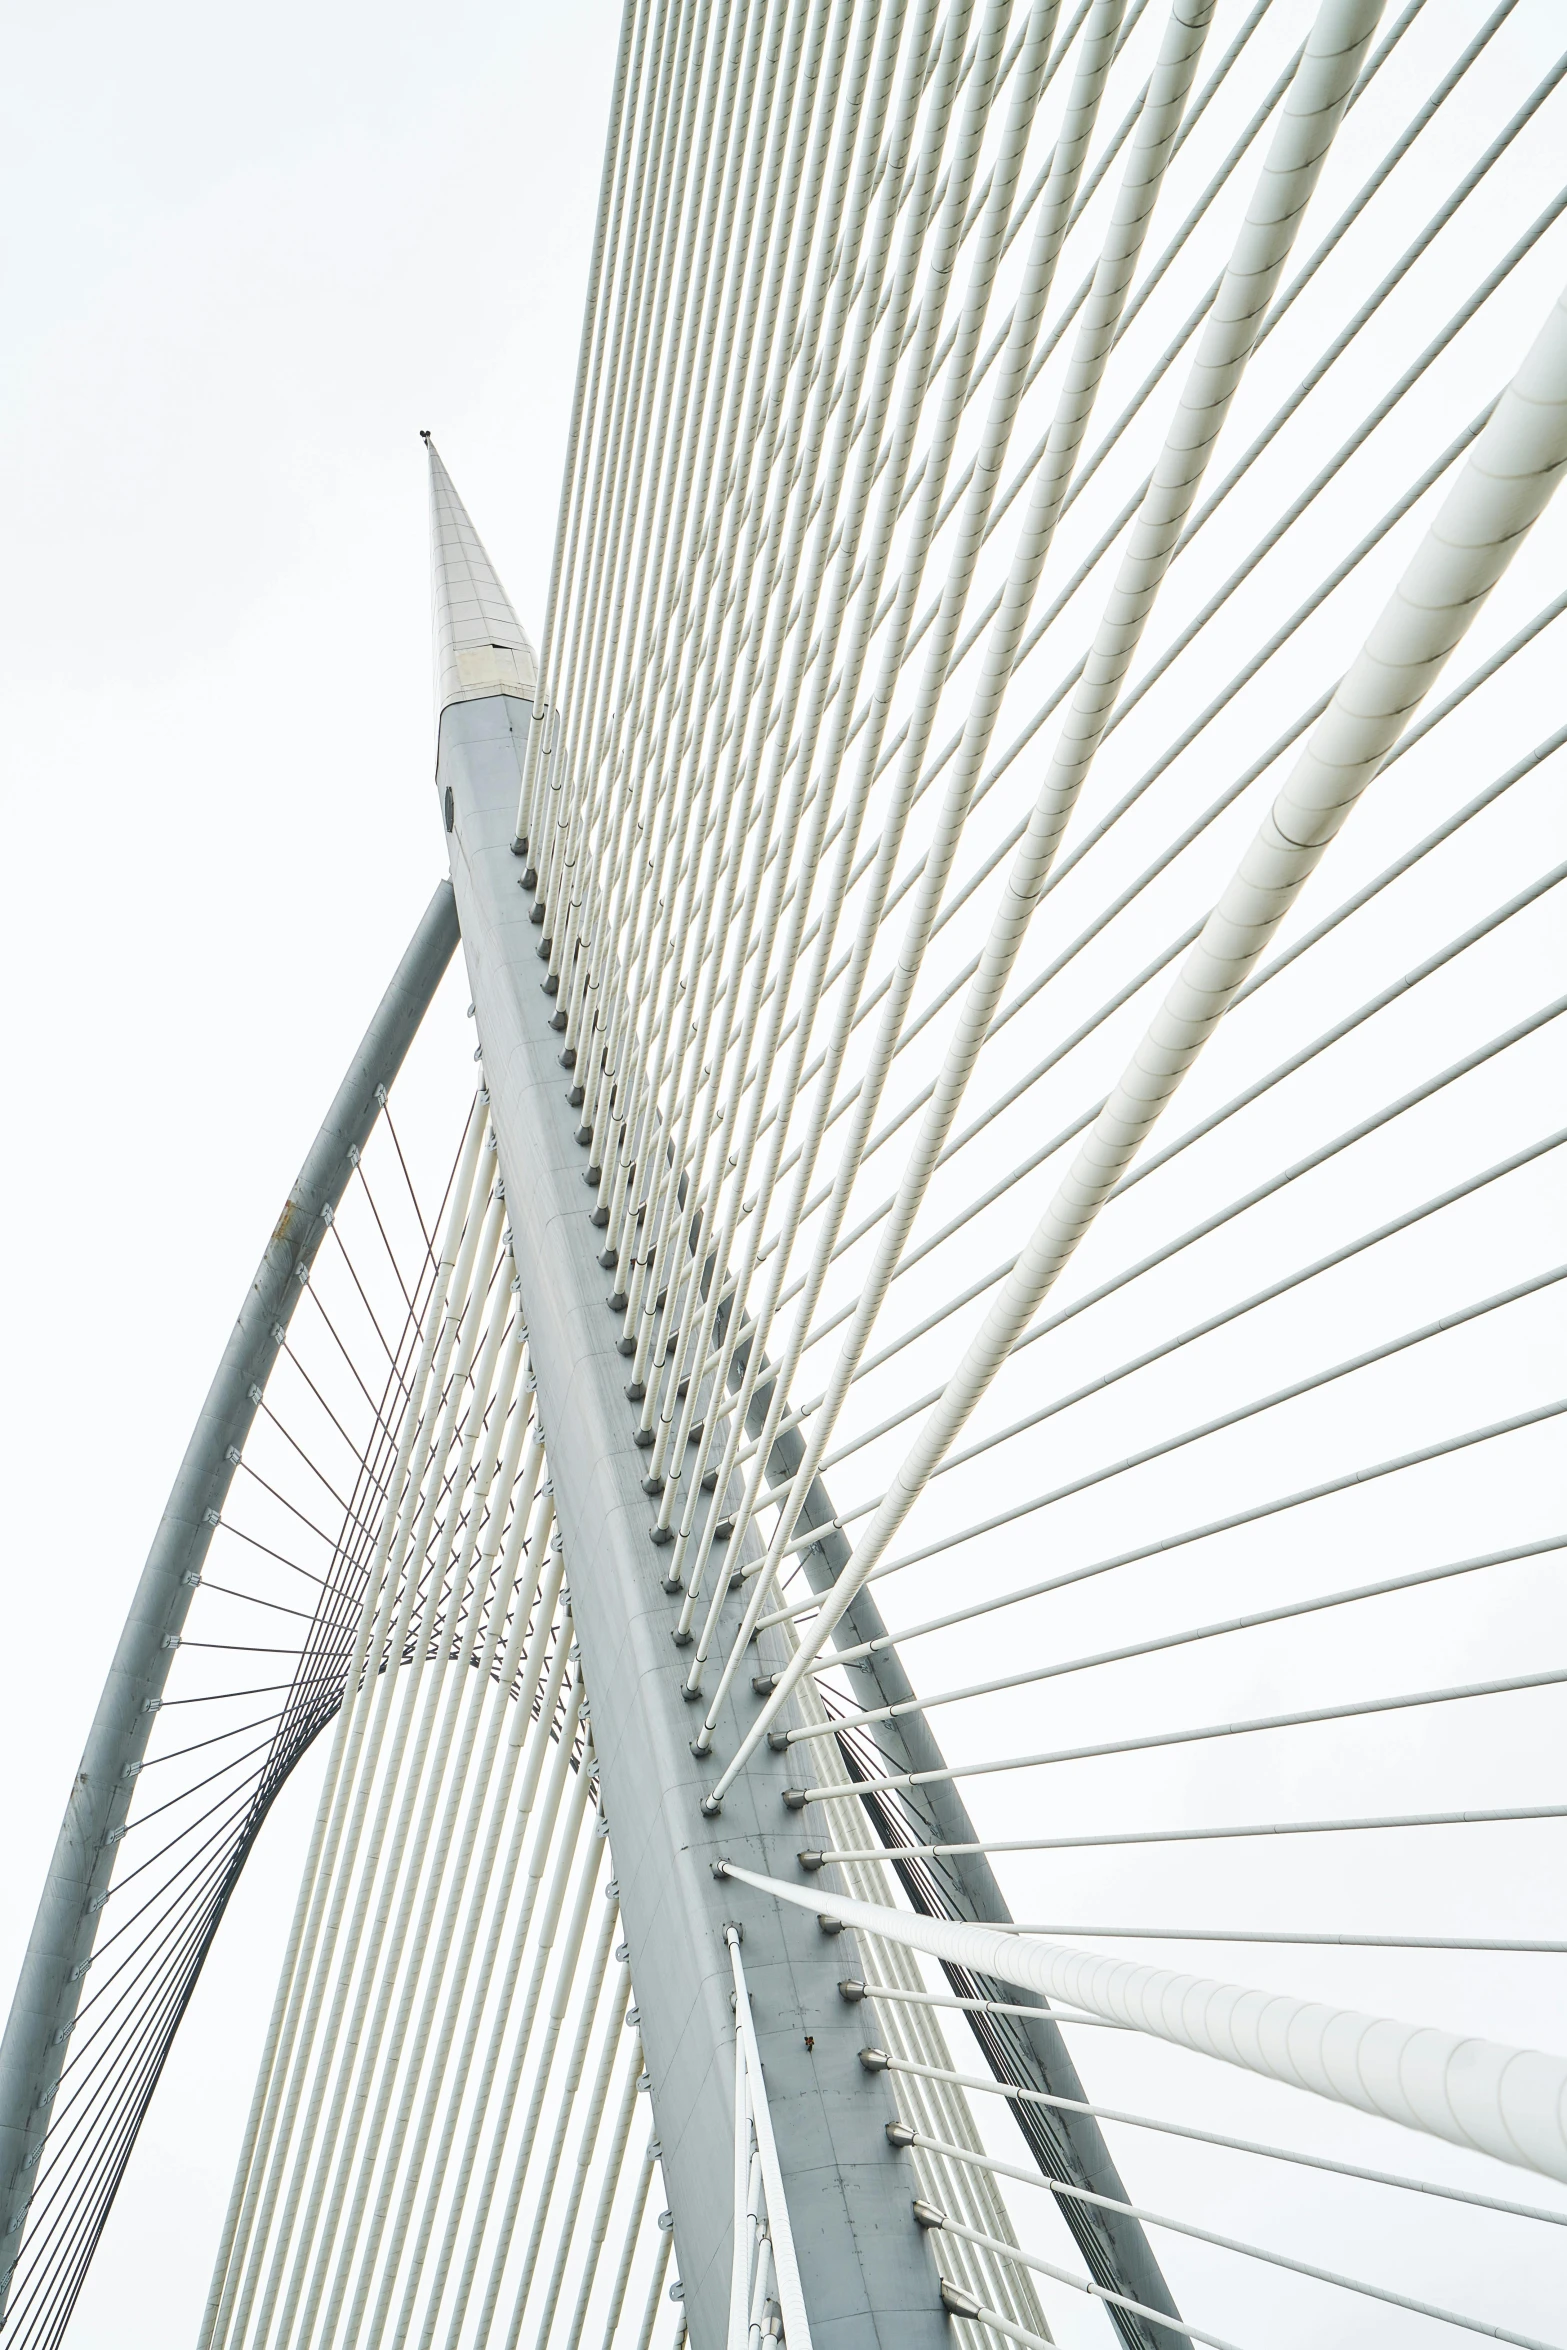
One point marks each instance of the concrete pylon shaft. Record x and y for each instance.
(868, 2272)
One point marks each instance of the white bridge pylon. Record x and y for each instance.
(930, 1578)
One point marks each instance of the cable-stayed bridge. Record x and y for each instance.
(925, 1562)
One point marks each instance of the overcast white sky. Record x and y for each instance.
(250, 254)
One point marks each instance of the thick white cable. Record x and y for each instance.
(1508, 2102)
(1505, 486)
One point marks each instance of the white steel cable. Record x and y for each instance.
(1511, 2103)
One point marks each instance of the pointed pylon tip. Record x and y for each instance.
(481, 647)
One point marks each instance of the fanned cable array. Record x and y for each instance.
(454, 1992)
(999, 1777)
(1034, 474)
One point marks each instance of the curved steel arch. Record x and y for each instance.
(43, 2012)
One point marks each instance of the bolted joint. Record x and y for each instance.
(691, 1695)
(724, 1528)
(778, 1740)
(653, 1486)
(643, 1439)
(711, 1808)
(661, 1535)
(812, 1861)
(899, 2134)
(763, 1684)
(828, 1925)
(928, 2215)
(851, 1990)
(672, 1583)
(681, 1639)
(794, 1799)
(874, 2059)
(956, 2302)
